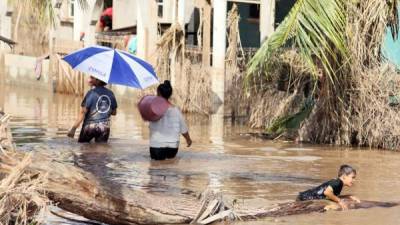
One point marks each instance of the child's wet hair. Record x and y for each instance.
(165, 89)
(346, 170)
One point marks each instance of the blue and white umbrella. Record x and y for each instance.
(113, 66)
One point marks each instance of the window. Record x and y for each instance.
(254, 11)
(160, 8)
(58, 4)
(108, 3)
(71, 8)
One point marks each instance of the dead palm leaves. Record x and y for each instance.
(22, 198)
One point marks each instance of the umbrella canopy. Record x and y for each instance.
(113, 66)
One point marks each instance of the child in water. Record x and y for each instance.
(165, 132)
(331, 189)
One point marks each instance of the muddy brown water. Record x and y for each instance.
(254, 171)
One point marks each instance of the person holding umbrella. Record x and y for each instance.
(98, 105)
(106, 66)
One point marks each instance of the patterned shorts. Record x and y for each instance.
(100, 131)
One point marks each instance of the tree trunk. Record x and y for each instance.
(80, 192)
(21, 5)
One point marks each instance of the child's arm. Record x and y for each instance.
(354, 198)
(331, 196)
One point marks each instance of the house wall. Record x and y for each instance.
(65, 31)
(65, 11)
(5, 25)
(168, 11)
(20, 70)
(83, 19)
(64, 24)
(124, 13)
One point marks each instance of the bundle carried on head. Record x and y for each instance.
(152, 108)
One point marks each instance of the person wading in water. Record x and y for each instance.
(165, 132)
(96, 109)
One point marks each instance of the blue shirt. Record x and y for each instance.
(100, 103)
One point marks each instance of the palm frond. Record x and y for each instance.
(316, 28)
(291, 122)
(44, 9)
(85, 5)
(393, 20)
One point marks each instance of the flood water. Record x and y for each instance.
(256, 171)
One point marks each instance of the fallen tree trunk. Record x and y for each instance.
(305, 207)
(77, 191)
(80, 192)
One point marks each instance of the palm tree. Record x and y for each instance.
(334, 39)
(316, 28)
(43, 9)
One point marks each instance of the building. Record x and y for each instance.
(149, 18)
(65, 10)
(146, 20)
(5, 24)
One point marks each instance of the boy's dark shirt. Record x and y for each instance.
(318, 192)
(100, 103)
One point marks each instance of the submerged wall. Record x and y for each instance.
(20, 70)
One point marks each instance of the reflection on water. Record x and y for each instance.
(257, 171)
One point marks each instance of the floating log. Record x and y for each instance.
(306, 207)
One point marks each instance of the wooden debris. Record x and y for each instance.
(8, 41)
(6, 141)
(22, 197)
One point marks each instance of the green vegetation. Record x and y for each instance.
(338, 45)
